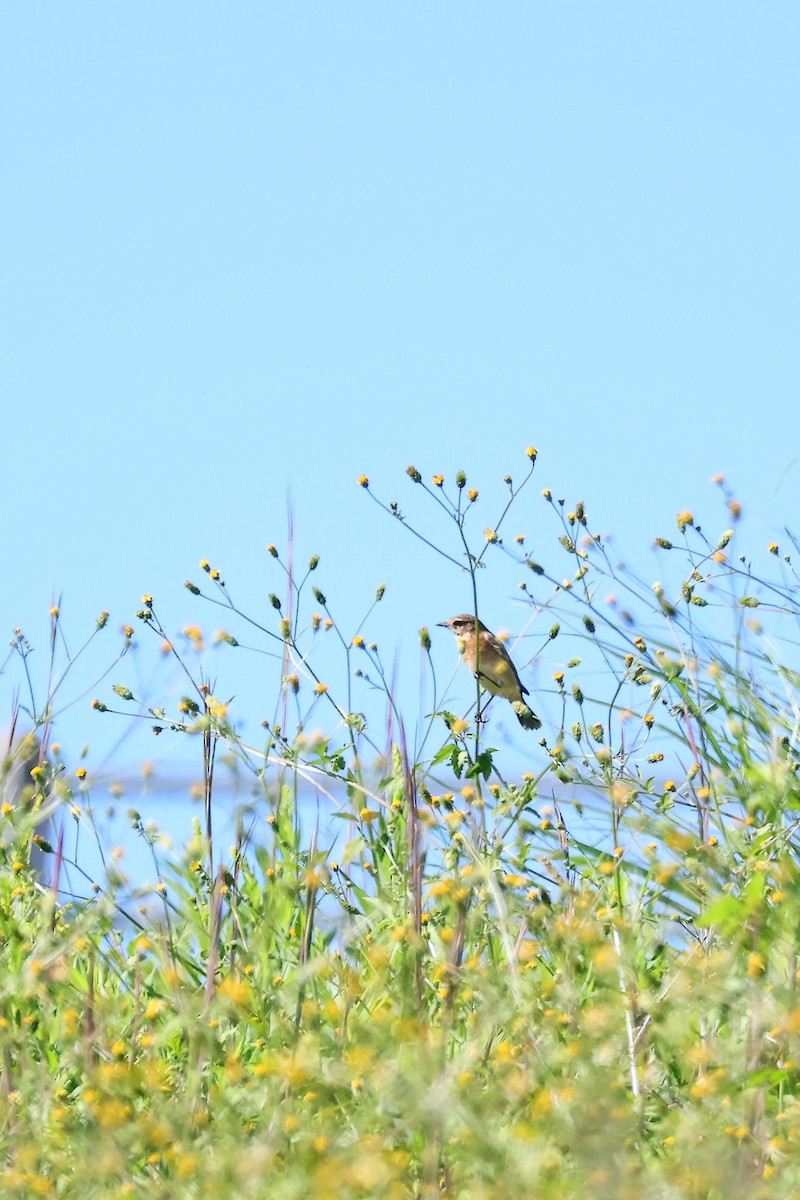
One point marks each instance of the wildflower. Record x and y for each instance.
(237, 991)
(438, 480)
(194, 635)
(271, 550)
(413, 474)
(756, 965)
(320, 688)
(684, 518)
(531, 453)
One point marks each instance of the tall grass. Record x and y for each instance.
(582, 981)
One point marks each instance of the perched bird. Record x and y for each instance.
(489, 661)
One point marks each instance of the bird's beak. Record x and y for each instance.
(441, 625)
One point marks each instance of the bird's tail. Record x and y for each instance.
(526, 717)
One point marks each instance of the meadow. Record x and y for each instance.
(581, 981)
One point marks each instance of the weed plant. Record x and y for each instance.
(582, 982)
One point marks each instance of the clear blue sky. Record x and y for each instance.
(255, 249)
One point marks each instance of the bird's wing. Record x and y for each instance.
(498, 645)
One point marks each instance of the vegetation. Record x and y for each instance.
(582, 982)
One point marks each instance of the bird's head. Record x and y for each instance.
(463, 625)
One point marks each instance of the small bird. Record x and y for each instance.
(488, 660)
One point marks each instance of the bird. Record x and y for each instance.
(489, 661)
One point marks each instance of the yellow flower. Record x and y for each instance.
(756, 965)
(235, 990)
(195, 635)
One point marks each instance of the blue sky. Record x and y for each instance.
(253, 251)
